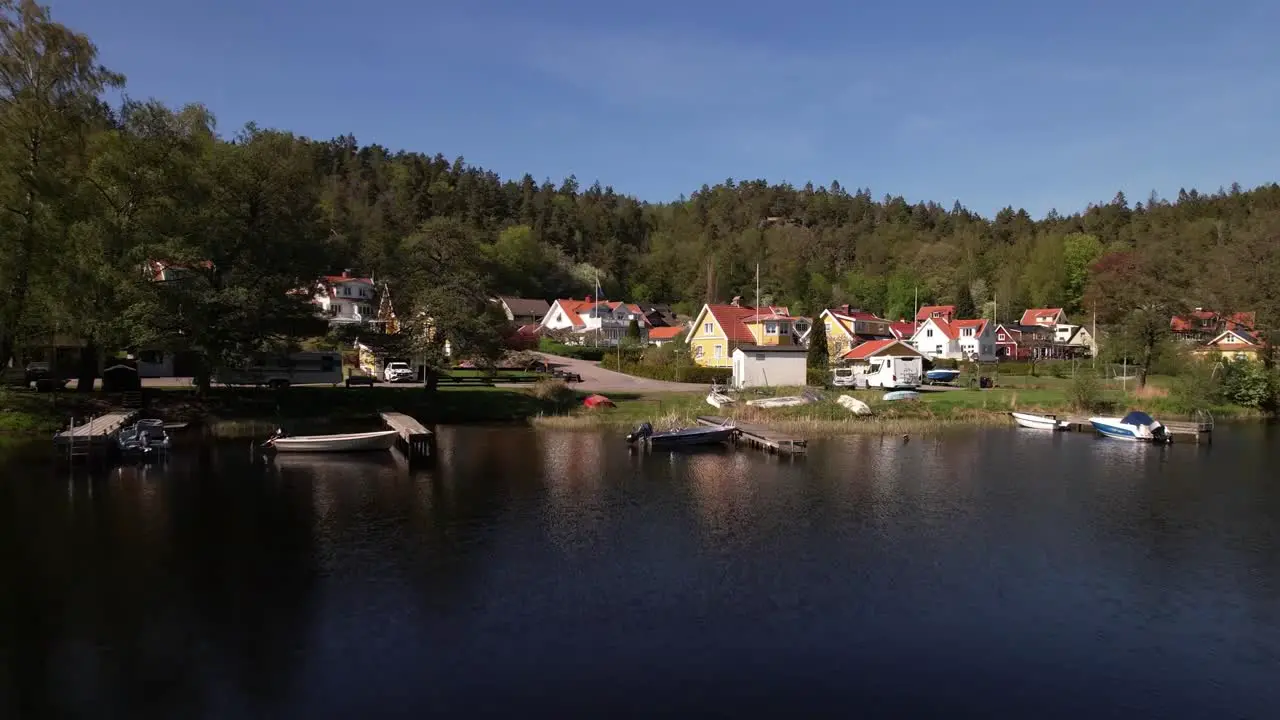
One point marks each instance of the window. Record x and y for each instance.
(708, 328)
(699, 351)
(771, 328)
(718, 352)
(939, 350)
(968, 332)
(153, 357)
(928, 333)
(1000, 337)
(346, 291)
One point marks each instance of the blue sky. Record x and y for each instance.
(1031, 104)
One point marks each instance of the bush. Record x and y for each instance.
(679, 373)
(819, 377)
(554, 391)
(1085, 393)
(552, 347)
(1247, 383)
(1196, 388)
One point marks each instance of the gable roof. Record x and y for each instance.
(1243, 335)
(339, 279)
(927, 311)
(732, 320)
(879, 347)
(1041, 316)
(979, 326)
(1009, 330)
(942, 325)
(525, 306)
(666, 332)
(902, 329)
(574, 309)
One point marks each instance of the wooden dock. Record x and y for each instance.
(416, 440)
(93, 437)
(1196, 432)
(760, 437)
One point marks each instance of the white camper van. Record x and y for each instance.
(891, 372)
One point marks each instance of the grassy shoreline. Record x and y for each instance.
(33, 414)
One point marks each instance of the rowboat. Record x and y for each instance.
(346, 442)
(853, 405)
(785, 401)
(717, 399)
(1038, 422)
(1136, 426)
(901, 395)
(688, 437)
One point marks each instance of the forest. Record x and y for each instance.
(92, 190)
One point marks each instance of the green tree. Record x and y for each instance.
(963, 299)
(1079, 252)
(819, 356)
(1137, 293)
(633, 330)
(49, 86)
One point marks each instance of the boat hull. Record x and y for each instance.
(853, 405)
(351, 442)
(778, 402)
(1037, 422)
(719, 400)
(690, 437)
(1117, 430)
(901, 395)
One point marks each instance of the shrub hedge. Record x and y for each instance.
(678, 373)
(593, 354)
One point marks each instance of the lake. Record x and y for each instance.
(983, 573)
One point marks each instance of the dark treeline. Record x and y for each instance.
(91, 192)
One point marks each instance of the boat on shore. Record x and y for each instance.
(784, 401)
(718, 399)
(901, 395)
(853, 405)
(345, 442)
(1032, 421)
(688, 437)
(1136, 426)
(941, 376)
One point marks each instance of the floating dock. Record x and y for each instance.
(1196, 432)
(96, 435)
(416, 440)
(759, 436)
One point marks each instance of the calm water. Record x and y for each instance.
(984, 574)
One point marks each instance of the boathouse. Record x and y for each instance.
(770, 366)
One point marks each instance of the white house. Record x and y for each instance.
(1080, 339)
(594, 323)
(523, 311)
(956, 340)
(770, 366)
(346, 299)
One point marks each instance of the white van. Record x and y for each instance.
(891, 372)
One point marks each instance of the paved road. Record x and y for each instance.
(598, 379)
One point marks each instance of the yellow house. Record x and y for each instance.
(1232, 345)
(719, 329)
(848, 328)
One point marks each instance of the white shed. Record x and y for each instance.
(770, 366)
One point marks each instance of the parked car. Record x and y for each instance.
(398, 372)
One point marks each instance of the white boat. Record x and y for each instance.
(786, 401)
(1137, 426)
(1039, 422)
(901, 395)
(853, 405)
(717, 399)
(347, 442)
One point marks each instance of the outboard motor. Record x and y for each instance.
(640, 433)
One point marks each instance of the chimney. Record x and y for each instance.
(737, 299)
(845, 309)
(346, 273)
(587, 299)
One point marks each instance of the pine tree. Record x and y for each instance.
(818, 357)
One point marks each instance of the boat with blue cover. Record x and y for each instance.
(941, 376)
(1136, 426)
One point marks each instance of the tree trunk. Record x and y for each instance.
(1147, 351)
(87, 370)
(7, 346)
(433, 380)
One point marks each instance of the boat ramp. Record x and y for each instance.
(759, 436)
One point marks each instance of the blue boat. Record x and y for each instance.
(1136, 426)
(901, 395)
(941, 376)
(688, 437)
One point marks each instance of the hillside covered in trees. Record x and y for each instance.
(91, 192)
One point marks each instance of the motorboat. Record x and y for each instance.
(1136, 426)
(901, 395)
(1039, 422)
(941, 376)
(853, 405)
(345, 442)
(784, 401)
(143, 438)
(688, 437)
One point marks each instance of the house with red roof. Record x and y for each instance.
(889, 347)
(942, 312)
(956, 340)
(594, 322)
(1203, 325)
(847, 328)
(1237, 344)
(346, 298)
(1048, 318)
(718, 329)
(660, 336)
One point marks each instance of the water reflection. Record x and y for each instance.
(527, 569)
